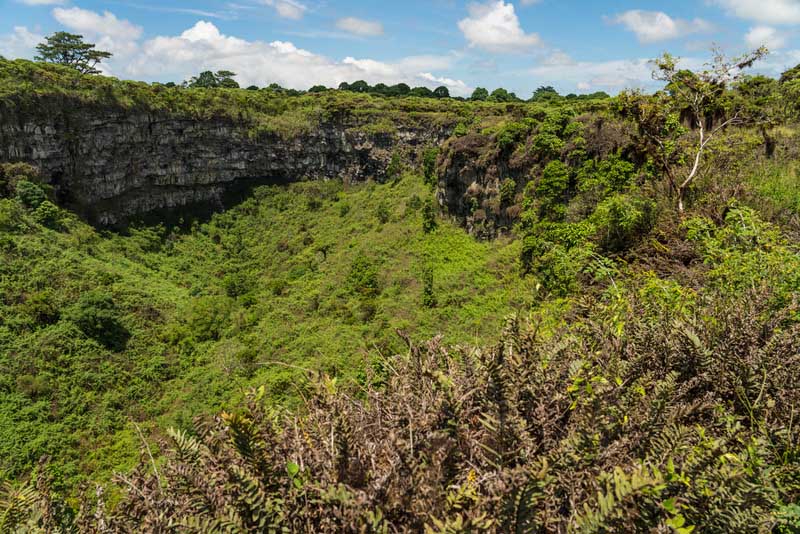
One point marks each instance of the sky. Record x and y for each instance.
(575, 46)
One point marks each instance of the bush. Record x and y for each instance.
(382, 212)
(10, 215)
(395, 167)
(623, 220)
(11, 173)
(48, 215)
(429, 217)
(31, 195)
(97, 316)
(363, 277)
(428, 294)
(237, 284)
(208, 317)
(552, 189)
(614, 425)
(508, 190)
(429, 165)
(609, 175)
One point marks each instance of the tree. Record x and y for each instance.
(318, 89)
(360, 86)
(423, 92)
(401, 89)
(381, 89)
(700, 96)
(225, 79)
(501, 95)
(213, 80)
(479, 95)
(70, 49)
(441, 92)
(544, 94)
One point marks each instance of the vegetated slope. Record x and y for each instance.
(650, 404)
(116, 150)
(649, 384)
(103, 331)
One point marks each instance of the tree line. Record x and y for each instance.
(71, 50)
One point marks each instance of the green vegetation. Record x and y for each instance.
(344, 358)
(102, 331)
(70, 50)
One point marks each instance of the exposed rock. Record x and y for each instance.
(111, 165)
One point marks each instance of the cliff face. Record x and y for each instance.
(113, 165)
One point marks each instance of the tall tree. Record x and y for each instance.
(70, 49)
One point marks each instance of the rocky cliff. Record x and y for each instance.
(111, 165)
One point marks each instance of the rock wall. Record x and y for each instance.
(111, 165)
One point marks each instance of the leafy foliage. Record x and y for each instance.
(72, 51)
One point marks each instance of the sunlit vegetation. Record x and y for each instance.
(621, 353)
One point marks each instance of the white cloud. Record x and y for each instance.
(288, 9)
(42, 2)
(558, 57)
(494, 26)
(609, 76)
(765, 36)
(204, 47)
(90, 22)
(117, 36)
(654, 26)
(21, 42)
(453, 85)
(366, 28)
(765, 11)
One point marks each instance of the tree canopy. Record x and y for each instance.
(212, 80)
(71, 50)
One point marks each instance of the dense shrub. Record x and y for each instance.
(623, 220)
(634, 422)
(98, 317)
(508, 190)
(363, 277)
(429, 165)
(551, 191)
(47, 214)
(30, 194)
(429, 212)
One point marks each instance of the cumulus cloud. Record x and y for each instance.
(288, 9)
(494, 26)
(766, 36)
(117, 36)
(456, 86)
(609, 76)
(204, 47)
(764, 11)
(654, 26)
(21, 42)
(364, 28)
(90, 22)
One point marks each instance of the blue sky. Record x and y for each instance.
(576, 46)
